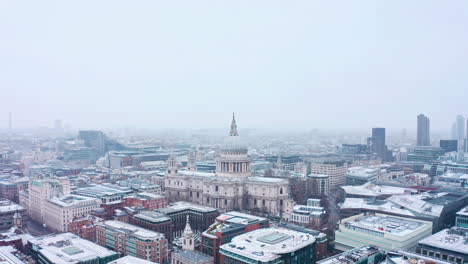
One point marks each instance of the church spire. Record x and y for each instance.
(233, 126)
(188, 237)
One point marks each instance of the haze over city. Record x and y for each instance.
(233, 132)
(190, 64)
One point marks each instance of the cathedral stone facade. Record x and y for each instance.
(232, 187)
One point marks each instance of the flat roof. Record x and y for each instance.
(102, 190)
(193, 256)
(351, 256)
(181, 206)
(131, 229)
(382, 223)
(9, 255)
(152, 216)
(268, 244)
(232, 220)
(9, 206)
(383, 206)
(72, 200)
(370, 189)
(69, 248)
(449, 239)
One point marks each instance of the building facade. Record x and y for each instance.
(335, 170)
(384, 231)
(226, 227)
(447, 245)
(132, 240)
(60, 211)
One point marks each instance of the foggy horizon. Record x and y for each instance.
(298, 67)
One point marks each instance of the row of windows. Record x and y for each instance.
(442, 256)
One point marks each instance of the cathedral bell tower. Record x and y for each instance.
(192, 159)
(172, 166)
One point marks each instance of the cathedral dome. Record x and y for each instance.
(234, 144)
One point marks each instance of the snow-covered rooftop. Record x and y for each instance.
(9, 206)
(268, 244)
(69, 248)
(181, 206)
(383, 206)
(370, 189)
(73, 200)
(131, 229)
(382, 223)
(449, 239)
(352, 256)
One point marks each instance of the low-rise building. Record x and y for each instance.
(201, 217)
(360, 175)
(384, 231)
(321, 240)
(7, 211)
(84, 227)
(447, 245)
(132, 240)
(363, 254)
(441, 207)
(335, 169)
(154, 221)
(11, 255)
(403, 257)
(150, 201)
(66, 248)
(269, 245)
(318, 184)
(138, 185)
(311, 215)
(370, 190)
(60, 211)
(39, 191)
(226, 227)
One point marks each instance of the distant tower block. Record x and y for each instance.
(10, 122)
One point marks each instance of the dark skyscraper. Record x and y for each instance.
(423, 137)
(378, 143)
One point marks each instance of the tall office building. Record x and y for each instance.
(460, 128)
(378, 139)
(376, 144)
(423, 138)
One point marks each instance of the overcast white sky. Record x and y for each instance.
(190, 64)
